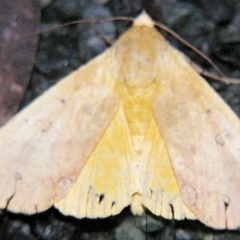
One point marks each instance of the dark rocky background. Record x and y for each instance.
(211, 26)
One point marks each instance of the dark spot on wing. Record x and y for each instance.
(219, 139)
(151, 193)
(209, 111)
(18, 176)
(172, 210)
(101, 197)
(63, 101)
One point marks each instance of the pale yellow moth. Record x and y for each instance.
(135, 126)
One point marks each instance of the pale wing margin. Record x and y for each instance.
(202, 136)
(43, 149)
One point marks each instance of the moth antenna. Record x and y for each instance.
(107, 40)
(145, 18)
(89, 21)
(204, 56)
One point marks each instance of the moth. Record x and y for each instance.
(135, 126)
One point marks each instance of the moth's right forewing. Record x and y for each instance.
(202, 136)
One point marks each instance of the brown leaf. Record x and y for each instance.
(16, 52)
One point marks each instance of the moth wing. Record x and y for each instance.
(160, 192)
(106, 183)
(202, 137)
(43, 149)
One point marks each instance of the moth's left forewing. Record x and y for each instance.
(43, 149)
(202, 137)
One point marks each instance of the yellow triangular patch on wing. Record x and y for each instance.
(161, 194)
(105, 185)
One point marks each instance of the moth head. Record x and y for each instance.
(136, 63)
